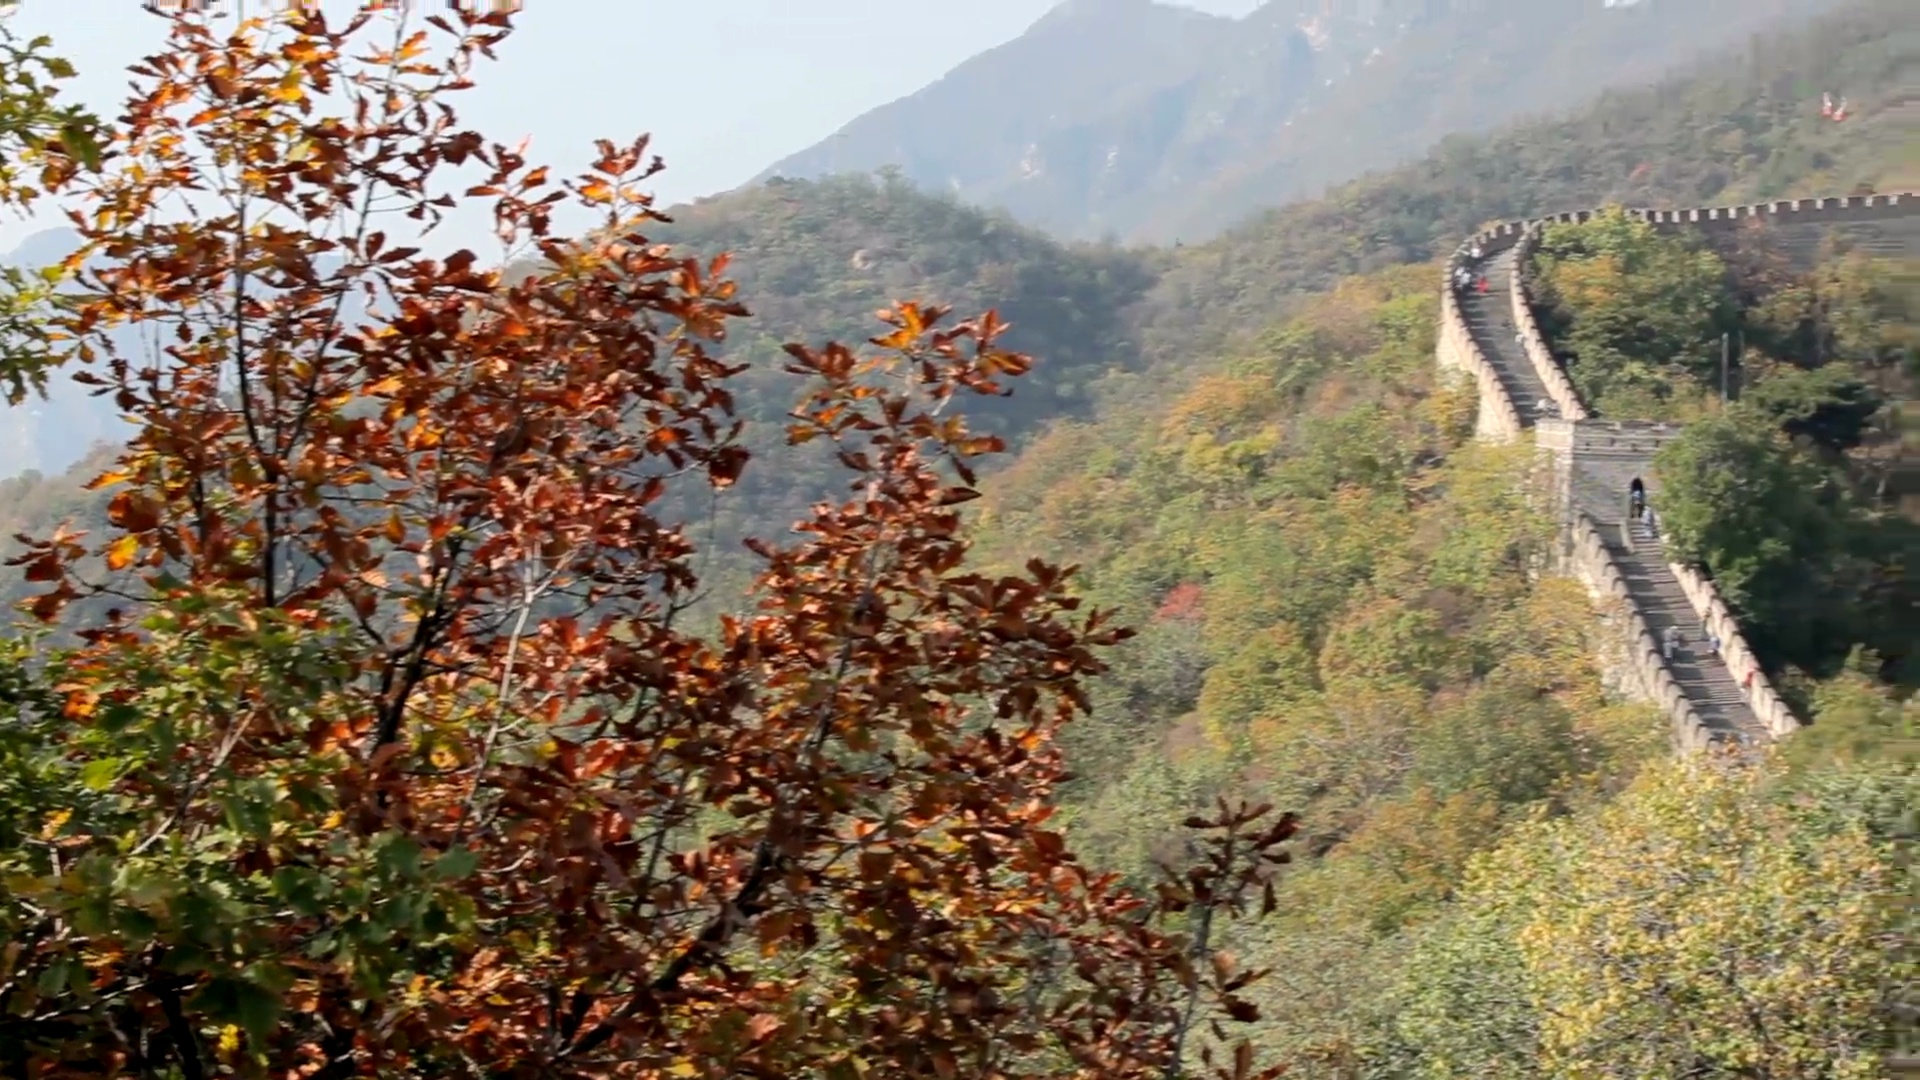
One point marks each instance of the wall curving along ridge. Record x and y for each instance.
(1502, 368)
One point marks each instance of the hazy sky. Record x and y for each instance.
(727, 87)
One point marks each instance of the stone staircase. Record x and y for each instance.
(1599, 483)
(1489, 315)
(1596, 460)
(1701, 673)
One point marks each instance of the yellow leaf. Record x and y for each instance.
(289, 89)
(108, 479)
(120, 553)
(54, 821)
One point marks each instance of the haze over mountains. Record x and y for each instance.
(1149, 122)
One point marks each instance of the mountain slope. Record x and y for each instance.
(1736, 129)
(1131, 118)
(815, 260)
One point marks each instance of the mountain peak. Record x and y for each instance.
(1084, 11)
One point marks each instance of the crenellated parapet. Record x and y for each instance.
(1499, 418)
(1559, 387)
(1714, 614)
(1709, 695)
(1837, 210)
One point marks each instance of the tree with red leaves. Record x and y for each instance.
(396, 755)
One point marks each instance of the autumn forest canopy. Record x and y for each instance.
(832, 631)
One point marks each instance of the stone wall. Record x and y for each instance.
(1829, 211)
(1754, 684)
(1640, 667)
(1499, 419)
(1559, 387)
(1642, 437)
(1611, 445)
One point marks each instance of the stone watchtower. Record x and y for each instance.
(1593, 465)
(1707, 679)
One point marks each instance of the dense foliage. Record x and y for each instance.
(397, 744)
(1635, 316)
(1705, 923)
(393, 755)
(40, 142)
(1789, 493)
(1337, 610)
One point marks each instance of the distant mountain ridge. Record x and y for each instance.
(1133, 119)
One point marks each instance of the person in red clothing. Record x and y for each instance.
(1481, 285)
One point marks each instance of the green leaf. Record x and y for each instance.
(228, 999)
(455, 864)
(301, 888)
(400, 858)
(100, 773)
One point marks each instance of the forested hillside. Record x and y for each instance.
(814, 260)
(1740, 128)
(481, 689)
(1339, 612)
(1148, 122)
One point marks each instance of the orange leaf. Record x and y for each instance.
(120, 553)
(108, 479)
(133, 512)
(47, 605)
(80, 705)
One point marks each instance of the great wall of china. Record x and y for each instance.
(1710, 697)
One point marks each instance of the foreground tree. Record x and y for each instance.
(396, 757)
(42, 143)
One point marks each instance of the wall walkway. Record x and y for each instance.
(1711, 696)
